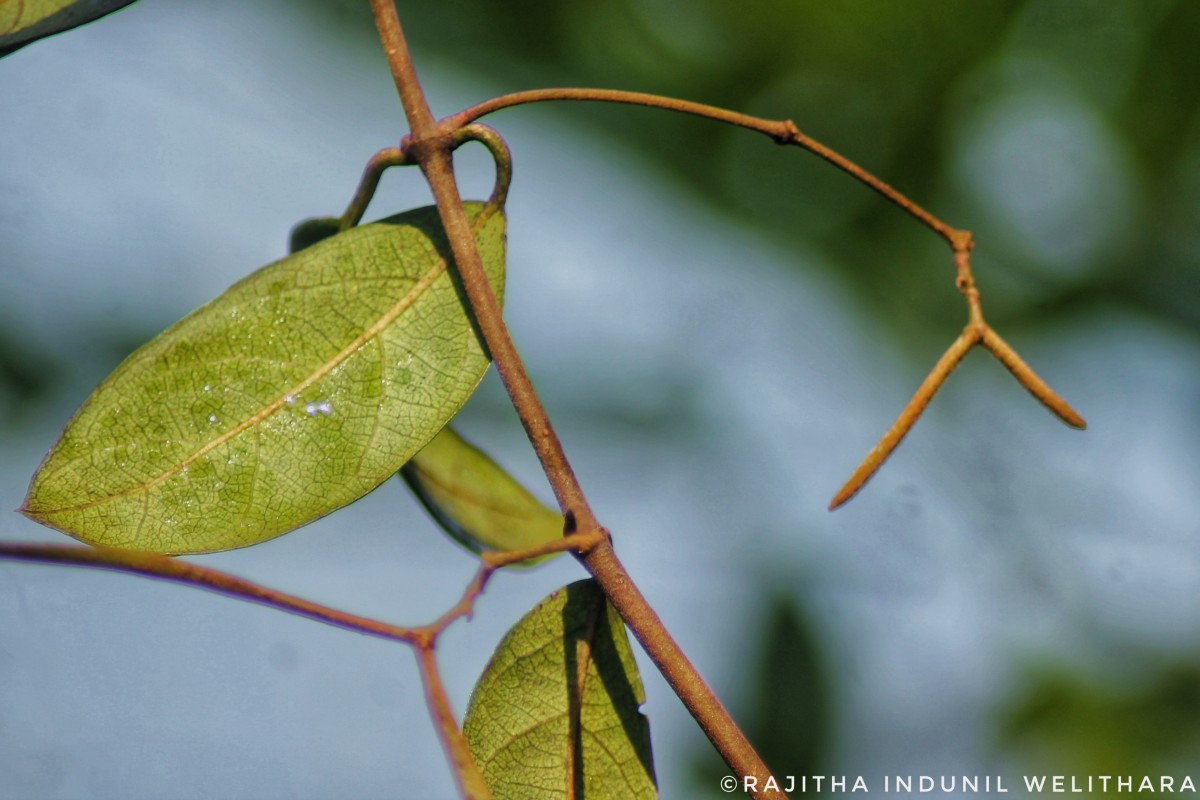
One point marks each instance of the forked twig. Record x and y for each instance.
(977, 332)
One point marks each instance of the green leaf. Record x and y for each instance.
(475, 501)
(310, 231)
(297, 391)
(24, 21)
(555, 713)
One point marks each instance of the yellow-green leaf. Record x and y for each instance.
(23, 21)
(555, 713)
(297, 391)
(475, 501)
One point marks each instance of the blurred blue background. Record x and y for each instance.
(720, 329)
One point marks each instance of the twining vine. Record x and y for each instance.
(429, 146)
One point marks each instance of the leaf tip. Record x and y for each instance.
(31, 512)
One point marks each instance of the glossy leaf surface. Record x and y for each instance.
(555, 713)
(295, 392)
(24, 21)
(476, 501)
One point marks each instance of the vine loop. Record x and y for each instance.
(490, 138)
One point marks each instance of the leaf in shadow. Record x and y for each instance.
(300, 389)
(25, 21)
(308, 232)
(475, 501)
(556, 712)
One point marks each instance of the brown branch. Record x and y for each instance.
(471, 783)
(581, 542)
(1029, 379)
(908, 417)
(430, 146)
(166, 568)
(387, 157)
(439, 171)
(677, 669)
(395, 47)
(432, 150)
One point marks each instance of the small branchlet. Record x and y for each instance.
(977, 332)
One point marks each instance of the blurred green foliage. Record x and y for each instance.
(1067, 723)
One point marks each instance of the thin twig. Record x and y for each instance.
(387, 157)
(1030, 380)
(908, 417)
(781, 131)
(154, 565)
(165, 568)
(785, 132)
(501, 157)
(977, 332)
(465, 605)
(471, 783)
(581, 543)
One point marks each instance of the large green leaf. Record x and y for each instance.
(476, 501)
(555, 713)
(295, 392)
(23, 21)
